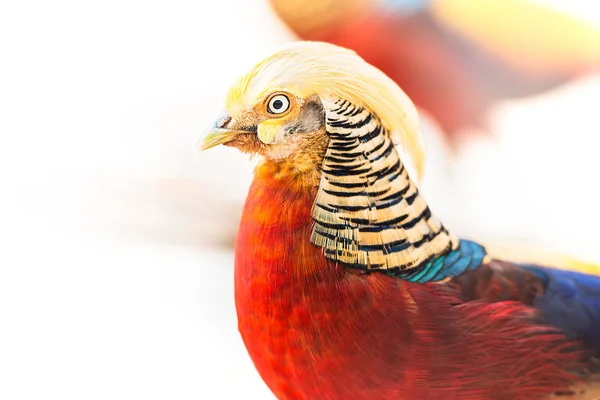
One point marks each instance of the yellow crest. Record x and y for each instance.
(332, 73)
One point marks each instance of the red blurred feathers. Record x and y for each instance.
(411, 53)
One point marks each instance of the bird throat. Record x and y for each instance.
(368, 214)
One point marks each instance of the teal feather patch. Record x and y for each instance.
(468, 256)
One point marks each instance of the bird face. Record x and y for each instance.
(275, 126)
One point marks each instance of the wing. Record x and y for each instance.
(569, 300)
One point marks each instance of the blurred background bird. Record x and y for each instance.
(454, 58)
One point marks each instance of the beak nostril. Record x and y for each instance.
(223, 121)
(219, 132)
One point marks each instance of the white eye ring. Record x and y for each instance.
(278, 104)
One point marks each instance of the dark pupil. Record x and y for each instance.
(277, 104)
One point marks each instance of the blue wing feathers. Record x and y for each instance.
(571, 302)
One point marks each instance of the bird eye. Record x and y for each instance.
(278, 104)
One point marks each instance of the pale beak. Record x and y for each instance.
(217, 134)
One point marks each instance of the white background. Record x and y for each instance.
(115, 262)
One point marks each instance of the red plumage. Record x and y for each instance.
(318, 331)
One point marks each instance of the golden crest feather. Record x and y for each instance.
(332, 72)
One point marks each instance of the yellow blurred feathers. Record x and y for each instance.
(524, 34)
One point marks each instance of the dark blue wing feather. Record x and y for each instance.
(570, 302)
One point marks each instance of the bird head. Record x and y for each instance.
(279, 108)
(334, 120)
